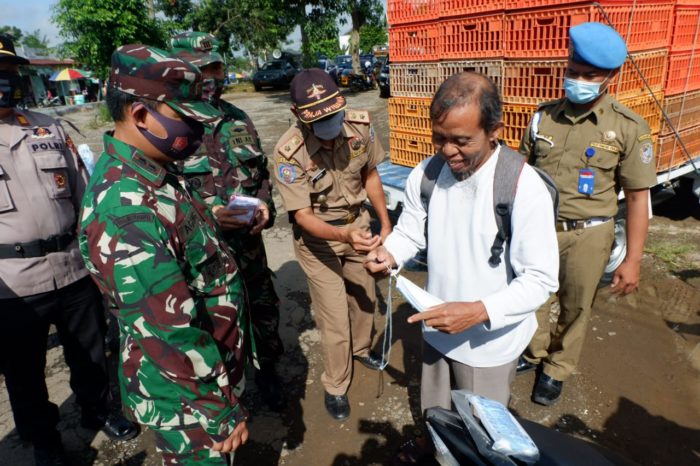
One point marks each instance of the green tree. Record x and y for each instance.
(12, 31)
(361, 12)
(257, 26)
(36, 41)
(93, 29)
(371, 35)
(322, 34)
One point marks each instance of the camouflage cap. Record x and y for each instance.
(152, 73)
(198, 48)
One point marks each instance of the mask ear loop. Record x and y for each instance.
(138, 105)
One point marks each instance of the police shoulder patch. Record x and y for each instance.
(646, 153)
(289, 147)
(287, 173)
(357, 116)
(644, 137)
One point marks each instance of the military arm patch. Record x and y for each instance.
(357, 116)
(287, 173)
(289, 148)
(646, 153)
(644, 137)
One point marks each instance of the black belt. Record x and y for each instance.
(38, 248)
(349, 218)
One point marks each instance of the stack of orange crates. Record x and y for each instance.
(682, 87)
(522, 46)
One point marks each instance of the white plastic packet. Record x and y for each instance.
(420, 299)
(87, 157)
(507, 434)
(242, 202)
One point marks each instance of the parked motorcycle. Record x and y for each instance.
(461, 439)
(364, 81)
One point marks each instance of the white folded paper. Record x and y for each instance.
(242, 202)
(420, 299)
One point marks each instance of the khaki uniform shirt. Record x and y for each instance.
(623, 157)
(41, 186)
(339, 192)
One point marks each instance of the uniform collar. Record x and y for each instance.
(149, 169)
(596, 112)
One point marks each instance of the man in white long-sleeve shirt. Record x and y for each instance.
(489, 313)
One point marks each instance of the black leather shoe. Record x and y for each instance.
(371, 361)
(50, 456)
(524, 366)
(270, 389)
(547, 391)
(337, 406)
(114, 426)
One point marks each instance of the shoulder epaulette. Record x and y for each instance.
(357, 116)
(549, 103)
(626, 112)
(291, 145)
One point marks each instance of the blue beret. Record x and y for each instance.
(597, 45)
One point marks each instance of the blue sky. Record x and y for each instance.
(29, 15)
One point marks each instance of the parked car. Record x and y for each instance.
(383, 80)
(327, 65)
(343, 68)
(275, 73)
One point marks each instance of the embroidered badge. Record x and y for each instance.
(646, 153)
(315, 91)
(60, 180)
(356, 147)
(609, 136)
(41, 133)
(287, 173)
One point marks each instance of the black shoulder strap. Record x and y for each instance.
(430, 176)
(505, 183)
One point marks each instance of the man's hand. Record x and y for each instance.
(626, 278)
(361, 240)
(260, 220)
(452, 317)
(227, 218)
(238, 437)
(380, 261)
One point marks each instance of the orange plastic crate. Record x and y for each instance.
(469, 7)
(516, 119)
(528, 82)
(683, 110)
(683, 73)
(629, 83)
(493, 69)
(544, 33)
(415, 42)
(670, 154)
(409, 149)
(646, 107)
(414, 79)
(410, 115)
(688, 2)
(472, 37)
(411, 11)
(686, 33)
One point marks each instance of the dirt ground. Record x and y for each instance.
(636, 391)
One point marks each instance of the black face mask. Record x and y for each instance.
(183, 137)
(10, 89)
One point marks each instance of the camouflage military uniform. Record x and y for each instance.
(229, 162)
(174, 287)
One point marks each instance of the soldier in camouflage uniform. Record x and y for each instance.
(153, 249)
(231, 161)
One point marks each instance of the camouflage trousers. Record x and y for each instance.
(262, 298)
(175, 446)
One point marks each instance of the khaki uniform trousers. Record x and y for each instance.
(583, 255)
(343, 298)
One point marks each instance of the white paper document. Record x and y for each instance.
(420, 299)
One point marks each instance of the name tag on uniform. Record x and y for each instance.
(586, 181)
